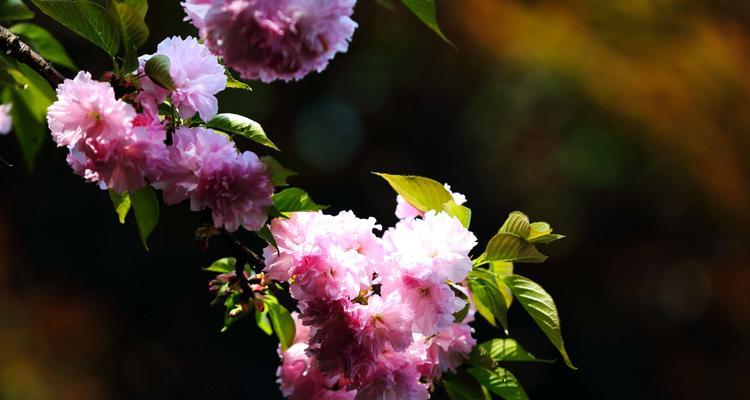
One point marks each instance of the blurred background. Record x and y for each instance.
(624, 123)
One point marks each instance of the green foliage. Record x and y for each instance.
(235, 309)
(130, 16)
(281, 320)
(86, 18)
(462, 386)
(295, 199)
(462, 213)
(516, 239)
(422, 193)
(235, 124)
(505, 349)
(425, 10)
(265, 234)
(14, 10)
(540, 306)
(121, 202)
(261, 319)
(43, 43)
(146, 208)
(30, 96)
(222, 265)
(500, 382)
(279, 174)
(157, 69)
(488, 298)
(234, 83)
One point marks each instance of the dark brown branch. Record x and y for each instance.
(243, 255)
(12, 45)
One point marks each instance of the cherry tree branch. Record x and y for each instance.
(12, 45)
(243, 254)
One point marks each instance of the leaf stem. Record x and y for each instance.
(243, 255)
(12, 45)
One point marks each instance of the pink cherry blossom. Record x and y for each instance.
(395, 377)
(196, 11)
(196, 73)
(275, 39)
(6, 123)
(205, 167)
(450, 348)
(386, 322)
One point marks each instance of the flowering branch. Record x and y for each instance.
(243, 255)
(12, 45)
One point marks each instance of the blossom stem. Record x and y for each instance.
(12, 45)
(243, 255)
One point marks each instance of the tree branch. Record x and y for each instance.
(12, 45)
(243, 254)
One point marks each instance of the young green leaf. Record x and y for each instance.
(86, 18)
(279, 174)
(541, 232)
(511, 248)
(517, 223)
(507, 349)
(222, 265)
(157, 68)
(235, 124)
(261, 319)
(462, 386)
(500, 269)
(462, 213)
(540, 306)
(282, 321)
(425, 11)
(130, 16)
(14, 10)
(295, 199)
(422, 193)
(483, 284)
(146, 208)
(44, 43)
(121, 202)
(500, 382)
(265, 234)
(233, 83)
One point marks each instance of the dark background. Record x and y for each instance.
(624, 123)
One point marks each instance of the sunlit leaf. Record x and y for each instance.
(233, 83)
(295, 199)
(279, 174)
(509, 247)
(483, 284)
(461, 212)
(500, 382)
(462, 386)
(281, 320)
(157, 69)
(121, 202)
(261, 319)
(222, 265)
(517, 223)
(146, 208)
(130, 16)
(86, 18)
(540, 306)
(422, 193)
(235, 124)
(506, 349)
(425, 10)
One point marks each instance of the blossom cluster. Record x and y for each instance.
(121, 143)
(377, 314)
(274, 39)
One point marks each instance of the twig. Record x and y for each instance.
(12, 45)
(243, 255)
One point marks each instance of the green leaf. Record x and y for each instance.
(488, 297)
(462, 386)
(222, 265)
(121, 201)
(235, 124)
(422, 193)
(234, 310)
(507, 349)
(261, 319)
(500, 382)
(282, 321)
(86, 18)
(517, 224)
(462, 213)
(30, 98)
(540, 306)
(157, 69)
(541, 232)
(13, 10)
(509, 247)
(460, 315)
(425, 11)
(146, 209)
(295, 199)
(500, 269)
(233, 83)
(279, 174)
(44, 43)
(265, 234)
(130, 16)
